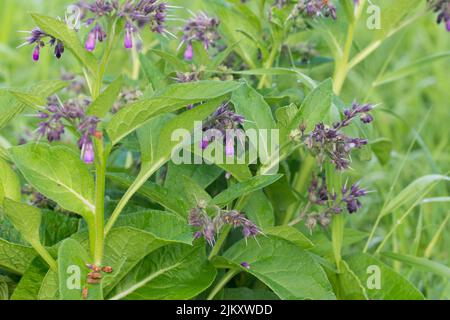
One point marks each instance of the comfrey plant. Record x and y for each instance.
(94, 206)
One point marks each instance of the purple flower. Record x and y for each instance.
(189, 53)
(87, 151)
(91, 41)
(209, 228)
(128, 40)
(245, 265)
(200, 28)
(332, 143)
(315, 8)
(36, 53)
(442, 8)
(224, 123)
(37, 37)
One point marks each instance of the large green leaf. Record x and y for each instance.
(172, 272)
(30, 283)
(153, 192)
(104, 102)
(161, 224)
(170, 99)
(315, 107)
(290, 234)
(259, 209)
(346, 284)
(56, 226)
(393, 286)
(58, 173)
(284, 267)
(72, 272)
(203, 175)
(15, 257)
(258, 116)
(9, 183)
(245, 187)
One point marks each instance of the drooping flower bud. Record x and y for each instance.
(189, 53)
(91, 41)
(36, 53)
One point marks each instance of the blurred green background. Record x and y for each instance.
(413, 120)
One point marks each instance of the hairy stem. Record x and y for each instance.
(100, 182)
(222, 283)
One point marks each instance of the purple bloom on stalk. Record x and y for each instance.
(87, 151)
(315, 8)
(223, 122)
(442, 8)
(189, 53)
(200, 28)
(209, 228)
(332, 143)
(36, 53)
(128, 40)
(37, 37)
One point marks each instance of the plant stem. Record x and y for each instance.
(45, 255)
(99, 218)
(223, 236)
(341, 68)
(268, 64)
(222, 283)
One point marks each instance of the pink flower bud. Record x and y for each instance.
(189, 53)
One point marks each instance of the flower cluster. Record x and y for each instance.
(223, 123)
(315, 8)
(331, 142)
(136, 14)
(199, 28)
(37, 37)
(330, 202)
(442, 8)
(210, 227)
(74, 113)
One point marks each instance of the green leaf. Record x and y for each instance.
(382, 148)
(170, 99)
(176, 63)
(193, 193)
(424, 264)
(290, 234)
(58, 173)
(56, 226)
(61, 31)
(12, 104)
(9, 183)
(203, 175)
(392, 287)
(153, 192)
(72, 272)
(259, 209)
(258, 116)
(30, 283)
(102, 105)
(245, 187)
(161, 224)
(417, 189)
(285, 268)
(148, 136)
(172, 272)
(49, 287)
(15, 257)
(25, 218)
(346, 284)
(315, 107)
(411, 68)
